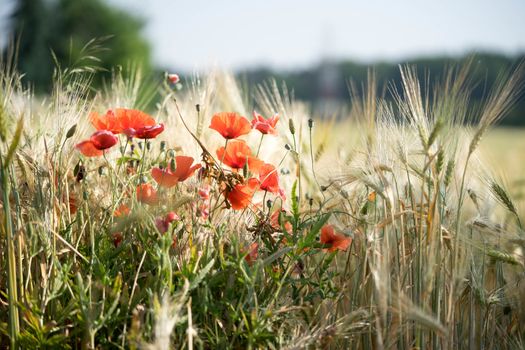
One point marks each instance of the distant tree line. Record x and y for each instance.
(55, 32)
(329, 80)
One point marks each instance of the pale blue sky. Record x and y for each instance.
(289, 34)
(296, 33)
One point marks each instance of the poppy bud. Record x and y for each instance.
(173, 78)
(310, 123)
(198, 107)
(287, 146)
(291, 126)
(71, 131)
(101, 170)
(162, 146)
(148, 146)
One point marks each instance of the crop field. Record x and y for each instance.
(218, 218)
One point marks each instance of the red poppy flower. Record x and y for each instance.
(133, 119)
(173, 78)
(128, 121)
(183, 170)
(265, 126)
(103, 139)
(253, 253)
(334, 240)
(121, 211)
(269, 178)
(108, 121)
(88, 149)
(237, 154)
(241, 195)
(145, 132)
(146, 194)
(230, 125)
(164, 224)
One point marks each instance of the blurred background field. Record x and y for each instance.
(315, 48)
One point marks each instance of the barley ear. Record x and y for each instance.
(16, 140)
(3, 123)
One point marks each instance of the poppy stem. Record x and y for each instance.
(260, 143)
(224, 153)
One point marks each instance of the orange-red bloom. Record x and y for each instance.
(103, 139)
(269, 178)
(146, 194)
(173, 78)
(88, 149)
(183, 170)
(131, 122)
(265, 126)
(230, 125)
(164, 224)
(253, 253)
(237, 154)
(333, 240)
(121, 211)
(98, 142)
(145, 132)
(241, 195)
(108, 121)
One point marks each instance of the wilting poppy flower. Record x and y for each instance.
(253, 253)
(230, 125)
(146, 194)
(237, 154)
(103, 139)
(269, 178)
(241, 195)
(334, 240)
(173, 78)
(265, 126)
(88, 149)
(183, 170)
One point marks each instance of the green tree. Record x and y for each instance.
(65, 26)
